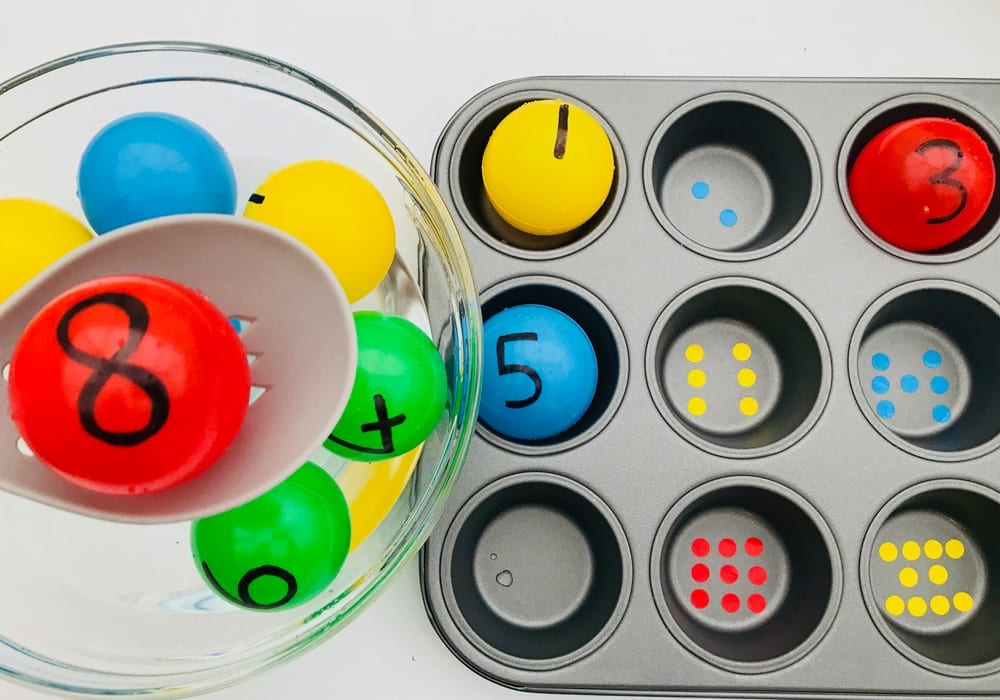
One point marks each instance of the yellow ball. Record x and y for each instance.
(33, 235)
(548, 167)
(336, 212)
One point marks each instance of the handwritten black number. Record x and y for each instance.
(944, 177)
(105, 368)
(524, 369)
(383, 424)
(243, 587)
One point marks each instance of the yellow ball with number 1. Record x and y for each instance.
(33, 235)
(548, 167)
(336, 212)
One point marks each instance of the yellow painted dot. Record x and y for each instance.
(697, 378)
(894, 605)
(917, 606)
(746, 377)
(963, 601)
(697, 405)
(938, 575)
(694, 353)
(940, 605)
(888, 552)
(911, 551)
(909, 577)
(954, 549)
(933, 549)
(742, 352)
(749, 406)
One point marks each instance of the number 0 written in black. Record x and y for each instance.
(511, 368)
(944, 177)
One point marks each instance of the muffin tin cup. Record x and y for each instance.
(929, 567)
(746, 574)
(985, 232)
(738, 367)
(605, 333)
(922, 363)
(540, 571)
(732, 176)
(476, 210)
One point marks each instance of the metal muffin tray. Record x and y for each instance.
(838, 535)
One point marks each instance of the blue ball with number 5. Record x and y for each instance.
(539, 374)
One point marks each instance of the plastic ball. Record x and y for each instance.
(399, 393)
(336, 212)
(279, 550)
(548, 167)
(33, 235)
(922, 184)
(539, 375)
(129, 384)
(152, 164)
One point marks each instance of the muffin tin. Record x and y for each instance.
(787, 482)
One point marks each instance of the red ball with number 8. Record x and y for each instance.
(924, 183)
(129, 384)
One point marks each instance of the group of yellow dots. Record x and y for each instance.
(697, 378)
(936, 574)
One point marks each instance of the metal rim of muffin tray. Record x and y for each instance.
(611, 516)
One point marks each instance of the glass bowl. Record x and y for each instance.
(93, 607)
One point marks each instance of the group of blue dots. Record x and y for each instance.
(909, 384)
(701, 190)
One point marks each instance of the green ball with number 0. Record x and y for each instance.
(399, 393)
(280, 549)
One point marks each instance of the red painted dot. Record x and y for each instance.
(700, 573)
(729, 573)
(727, 547)
(754, 547)
(699, 599)
(700, 547)
(730, 602)
(757, 575)
(756, 603)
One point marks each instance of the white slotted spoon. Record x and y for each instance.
(301, 333)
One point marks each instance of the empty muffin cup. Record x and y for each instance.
(929, 564)
(923, 364)
(555, 365)
(536, 571)
(738, 367)
(732, 176)
(746, 574)
(539, 175)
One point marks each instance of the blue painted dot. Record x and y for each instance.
(880, 361)
(237, 324)
(728, 217)
(880, 385)
(939, 385)
(941, 413)
(886, 409)
(699, 189)
(932, 359)
(909, 383)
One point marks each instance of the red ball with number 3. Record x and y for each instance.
(129, 385)
(922, 184)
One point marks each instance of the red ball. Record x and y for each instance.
(922, 184)
(129, 384)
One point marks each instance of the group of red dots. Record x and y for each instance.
(728, 574)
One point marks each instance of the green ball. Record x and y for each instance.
(399, 394)
(279, 550)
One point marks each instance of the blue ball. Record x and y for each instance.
(152, 164)
(539, 374)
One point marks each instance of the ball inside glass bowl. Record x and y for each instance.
(96, 607)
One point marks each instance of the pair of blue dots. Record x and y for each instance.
(909, 383)
(701, 190)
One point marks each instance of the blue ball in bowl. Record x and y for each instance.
(152, 164)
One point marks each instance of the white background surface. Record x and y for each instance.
(414, 64)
